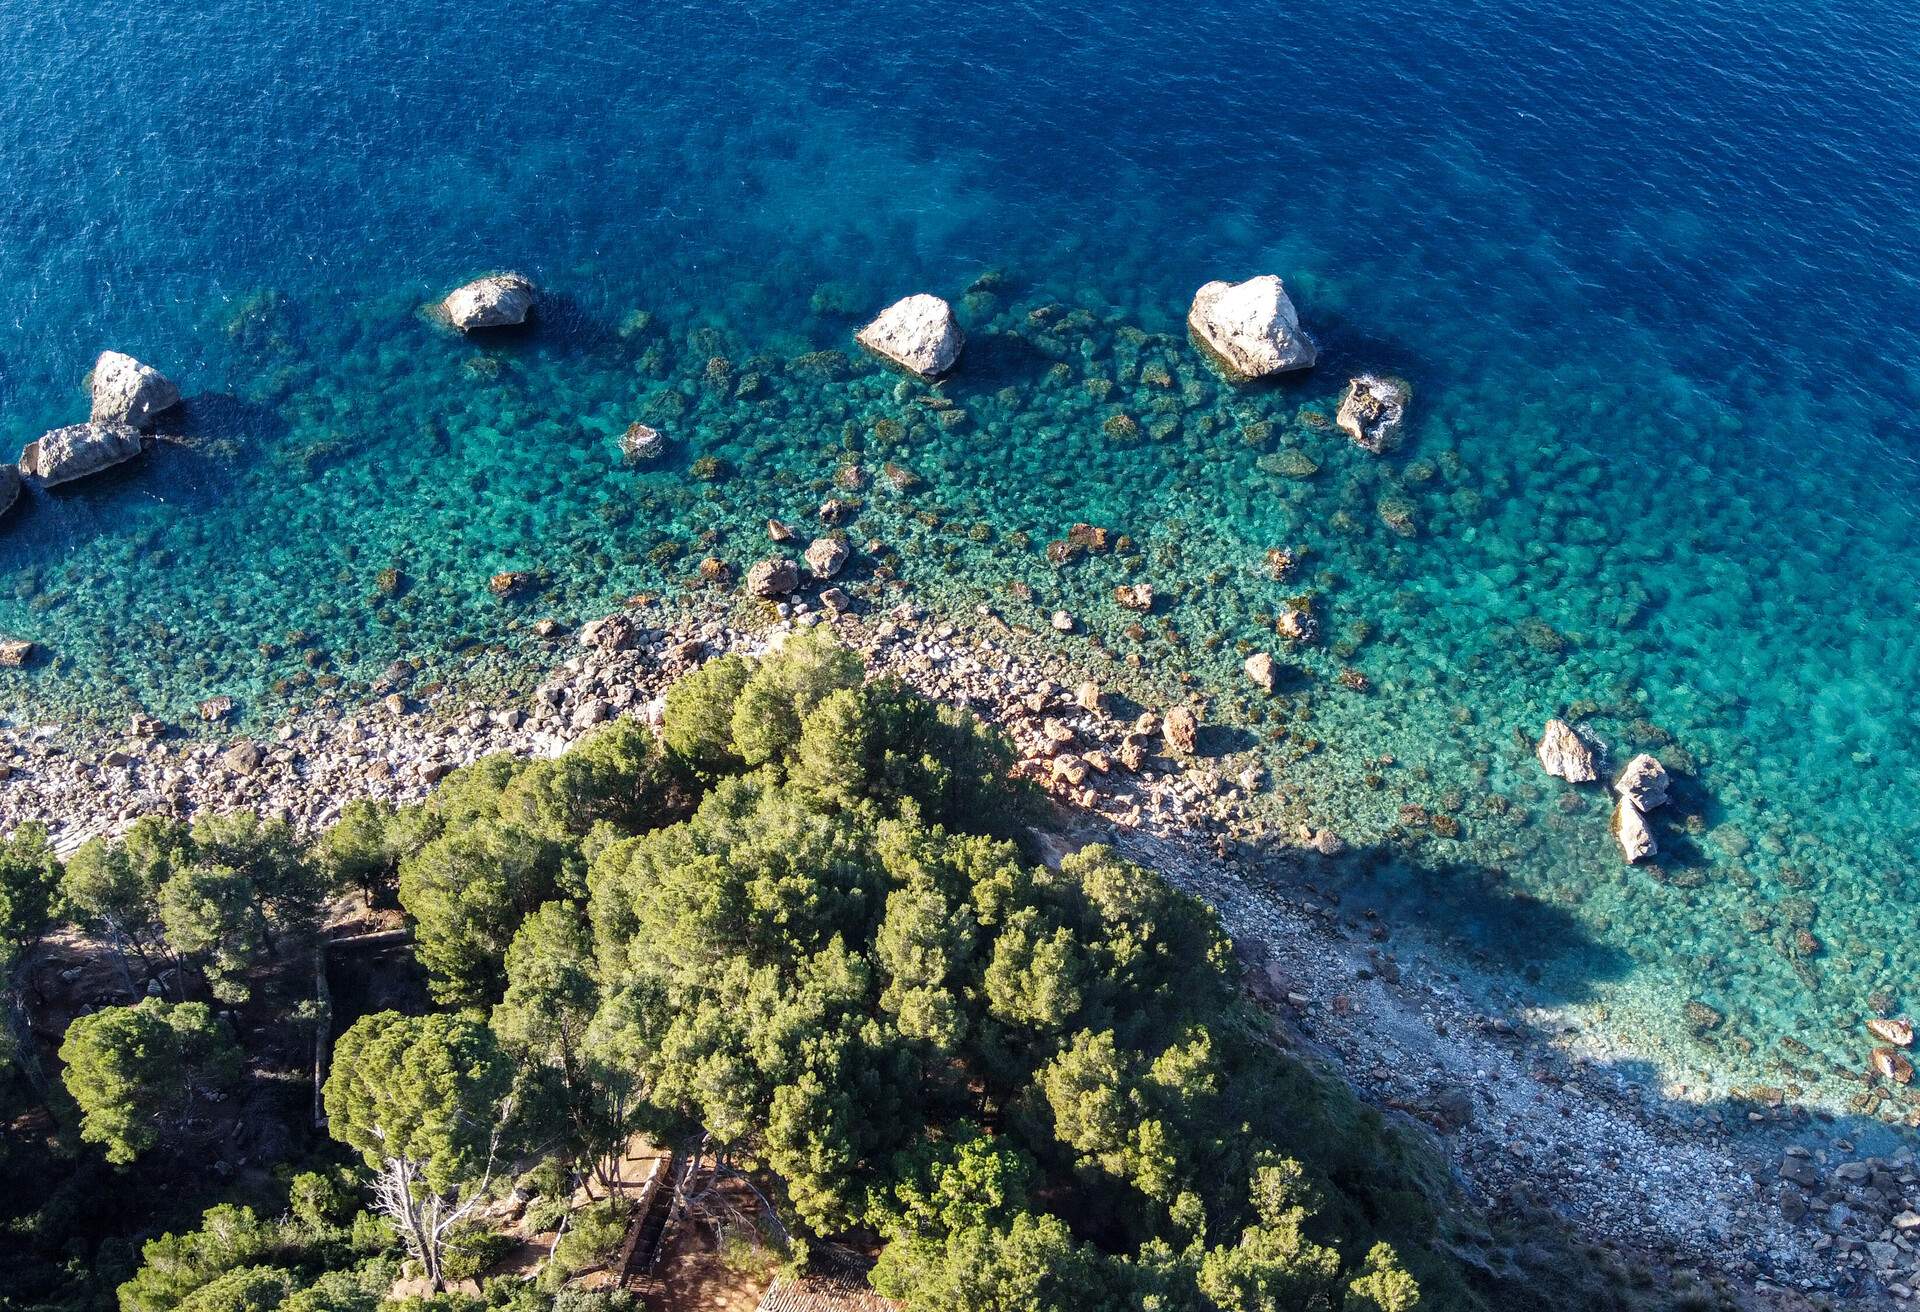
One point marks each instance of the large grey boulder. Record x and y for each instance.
(1644, 782)
(825, 556)
(79, 450)
(1631, 832)
(1565, 754)
(128, 392)
(1250, 329)
(772, 578)
(918, 333)
(9, 487)
(499, 301)
(1372, 411)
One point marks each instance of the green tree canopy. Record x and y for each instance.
(133, 1069)
(427, 1102)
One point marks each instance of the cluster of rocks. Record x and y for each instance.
(1865, 1212)
(1641, 787)
(128, 399)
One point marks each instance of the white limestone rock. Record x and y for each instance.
(919, 334)
(79, 450)
(1643, 783)
(1631, 832)
(1565, 754)
(1260, 668)
(1250, 329)
(825, 556)
(1372, 411)
(772, 578)
(128, 392)
(499, 301)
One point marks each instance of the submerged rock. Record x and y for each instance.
(1565, 754)
(499, 301)
(772, 578)
(9, 487)
(918, 333)
(79, 450)
(1643, 782)
(128, 392)
(1631, 832)
(1372, 411)
(825, 556)
(1250, 329)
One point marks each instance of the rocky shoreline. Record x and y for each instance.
(1531, 1114)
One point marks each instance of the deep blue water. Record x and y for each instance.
(1651, 269)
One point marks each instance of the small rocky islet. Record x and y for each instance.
(1124, 392)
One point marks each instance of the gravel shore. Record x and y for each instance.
(1527, 1114)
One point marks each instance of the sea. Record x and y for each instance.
(1650, 269)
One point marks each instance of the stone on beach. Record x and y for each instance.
(79, 450)
(128, 392)
(1631, 831)
(825, 556)
(1372, 410)
(1565, 754)
(1181, 729)
(1643, 782)
(918, 333)
(1250, 329)
(772, 578)
(499, 301)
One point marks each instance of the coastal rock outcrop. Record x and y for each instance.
(9, 487)
(1565, 754)
(918, 333)
(641, 444)
(1250, 329)
(1372, 410)
(1181, 729)
(1643, 782)
(825, 556)
(1260, 669)
(772, 578)
(128, 392)
(1631, 832)
(499, 301)
(79, 450)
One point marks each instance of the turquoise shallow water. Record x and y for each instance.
(1650, 271)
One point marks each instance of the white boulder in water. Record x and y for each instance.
(128, 392)
(499, 301)
(79, 450)
(1250, 329)
(1565, 754)
(1372, 411)
(919, 334)
(1643, 782)
(1631, 831)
